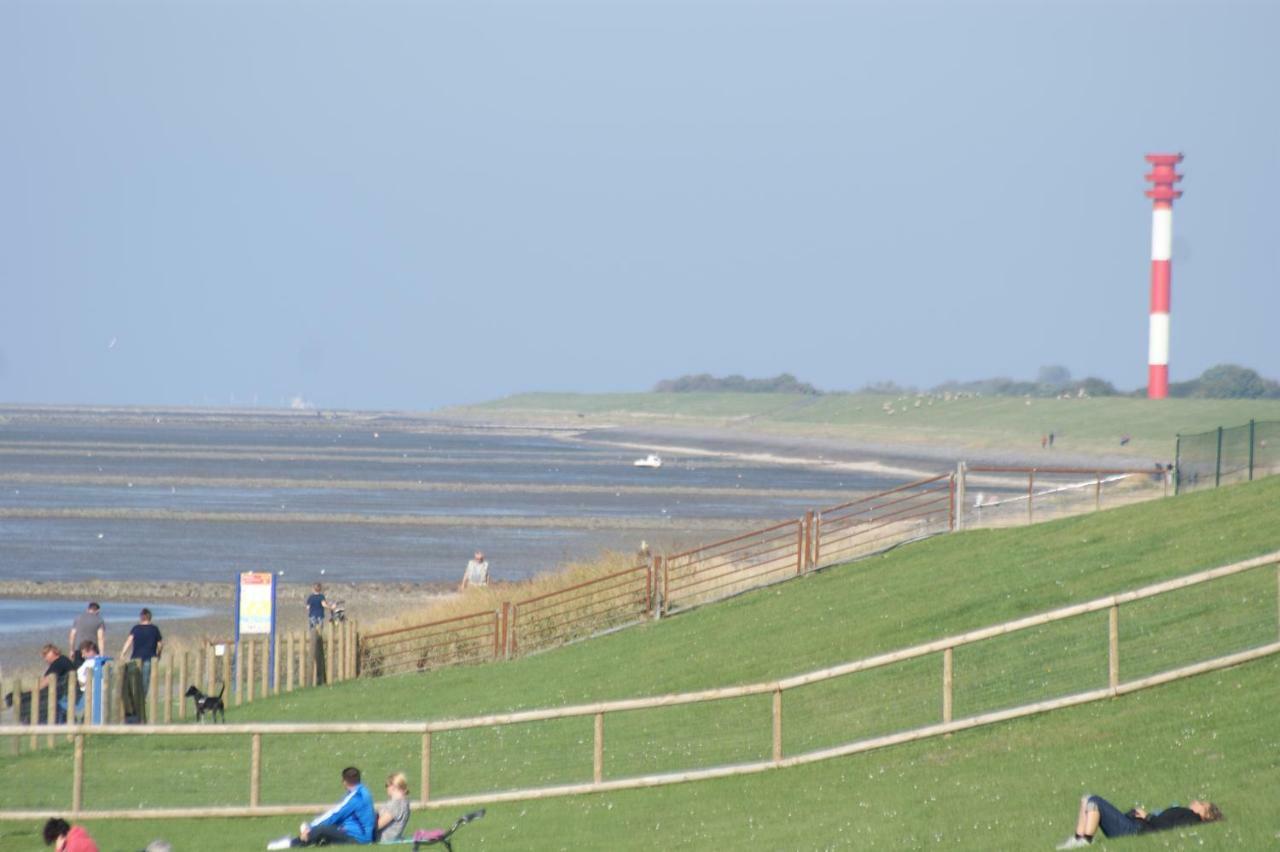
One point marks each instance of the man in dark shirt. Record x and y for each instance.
(1096, 812)
(146, 642)
(87, 626)
(59, 673)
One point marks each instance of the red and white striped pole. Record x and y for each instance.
(1162, 194)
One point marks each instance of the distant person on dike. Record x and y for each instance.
(349, 821)
(59, 671)
(64, 837)
(477, 573)
(88, 625)
(1096, 812)
(316, 605)
(146, 642)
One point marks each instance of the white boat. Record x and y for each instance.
(651, 460)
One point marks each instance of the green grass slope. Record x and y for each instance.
(1089, 426)
(1006, 787)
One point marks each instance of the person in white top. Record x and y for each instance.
(477, 573)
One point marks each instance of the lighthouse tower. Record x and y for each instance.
(1162, 176)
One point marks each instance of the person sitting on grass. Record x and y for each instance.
(64, 837)
(393, 817)
(1096, 812)
(349, 821)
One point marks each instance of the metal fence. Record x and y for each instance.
(998, 496)
(723, 568)
(871, 524)
(1228, 454)
(471, 638)
(581, 610)
(1056, 659)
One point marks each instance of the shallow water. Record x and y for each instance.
(19, 616)
(360, 504)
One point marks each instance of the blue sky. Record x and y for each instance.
(415, 204)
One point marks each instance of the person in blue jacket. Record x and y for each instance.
(349, 821)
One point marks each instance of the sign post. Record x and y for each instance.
(256, 612)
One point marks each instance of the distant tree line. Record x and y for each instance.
(705, 383)
(1224, 381)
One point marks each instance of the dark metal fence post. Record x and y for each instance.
(1217, 470)
(1251, 435)
(1177, 464)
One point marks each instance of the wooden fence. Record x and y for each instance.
(771, 728)
(300, 659)
(723, 568)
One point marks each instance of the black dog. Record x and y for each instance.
(211, 704)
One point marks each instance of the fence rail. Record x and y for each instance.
(1260, 641)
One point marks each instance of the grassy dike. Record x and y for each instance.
(1087, 426)
(1008, 787)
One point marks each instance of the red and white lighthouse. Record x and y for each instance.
(1162, 176)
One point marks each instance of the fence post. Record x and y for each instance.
(153, 687)
(497, 632)
(77, 776)
(597, 763)
(666, 585)
(267, 656)
(808, 540)
(951, 503)
(90, 699)
(948, 683)
(255, 771)
(800, 547)
(817, 540)
(1113, 650)
(425, 795)
(248, 656)
(182, 678)
(658, 563)
(278, 639)
(1097, 492)
(777, 724)
(1217, 467)
(1177, 463)
(1251, 436)
(168, 690)
(1031, 482)
(958, 505)
(515, 627)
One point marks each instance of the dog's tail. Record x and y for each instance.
(224, 689)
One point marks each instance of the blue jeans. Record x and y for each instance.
(1113, 822)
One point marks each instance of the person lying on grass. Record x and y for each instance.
(1096, 812)
(349, 821)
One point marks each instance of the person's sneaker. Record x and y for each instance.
(282, 843)
(1073, 843)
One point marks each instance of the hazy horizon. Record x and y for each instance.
(387, 206)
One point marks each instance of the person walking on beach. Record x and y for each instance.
(59, 671)
(146, 642)
(477, 573)
(316, 605)
(87, 626)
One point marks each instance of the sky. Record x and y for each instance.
(411, 205)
